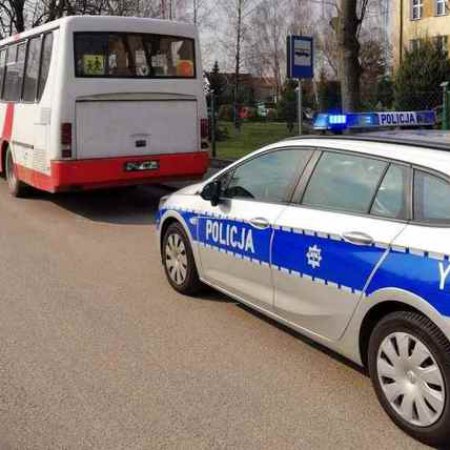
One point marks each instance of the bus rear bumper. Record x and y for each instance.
(123, 171)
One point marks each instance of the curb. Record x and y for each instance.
(217, 163)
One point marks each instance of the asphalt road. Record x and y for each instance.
(98, 352)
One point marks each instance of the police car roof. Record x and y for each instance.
(432, 139)
(429, 148)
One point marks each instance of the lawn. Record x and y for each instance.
(252, 136)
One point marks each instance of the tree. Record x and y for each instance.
(239, 34)
(287, 106)
(418, 79)
(267, 41)
(374, 68)
(12, 16)
(238, 13)
(201, 11)
(217, 82)
(352, 13)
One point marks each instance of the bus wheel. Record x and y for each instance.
(16, 187)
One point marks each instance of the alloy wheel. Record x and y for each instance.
(176, 259)
(411, 379)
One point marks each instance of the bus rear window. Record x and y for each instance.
(130, 55)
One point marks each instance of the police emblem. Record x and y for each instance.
(314, 257)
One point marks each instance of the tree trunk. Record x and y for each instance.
(350, 68)
(18, 7)
(237, 123)
(195, 12)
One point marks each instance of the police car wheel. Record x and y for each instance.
(16, 187)
(178, 260)
(409, 364)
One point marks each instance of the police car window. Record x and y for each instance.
(390, 199)
(267, 178)
(431, 199)
(344, 182)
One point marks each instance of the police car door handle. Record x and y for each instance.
(357, 238)
(259, 223)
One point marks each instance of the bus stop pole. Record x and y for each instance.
(300, 108)
(445, 106)
(213, 124)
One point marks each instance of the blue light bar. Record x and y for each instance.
(340, 122)
(337, 119)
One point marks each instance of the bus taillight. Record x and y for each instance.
(66, 140)
(204, 128)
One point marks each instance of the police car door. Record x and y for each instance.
(327, 245)
(423, 246)
(235, 236)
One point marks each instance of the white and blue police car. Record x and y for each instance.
(347, 241)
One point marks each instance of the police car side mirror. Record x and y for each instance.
(211, 193)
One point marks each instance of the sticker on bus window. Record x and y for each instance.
(159, 64)
(185, 68)
(94, 64)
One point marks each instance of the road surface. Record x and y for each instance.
(98, 352)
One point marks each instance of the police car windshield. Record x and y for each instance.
(131, 55)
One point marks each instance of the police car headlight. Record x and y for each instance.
(163, 201)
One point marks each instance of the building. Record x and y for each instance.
(415, 20)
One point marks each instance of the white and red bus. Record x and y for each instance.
(89, 102)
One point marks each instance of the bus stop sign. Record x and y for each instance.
(300, 57)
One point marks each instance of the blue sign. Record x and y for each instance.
(340, 122)
(300, 56)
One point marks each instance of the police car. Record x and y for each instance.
(347, 241)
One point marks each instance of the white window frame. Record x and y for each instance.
(440, 7)
(442, 43)
(416, 9)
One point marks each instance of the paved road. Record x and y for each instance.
(97, 352)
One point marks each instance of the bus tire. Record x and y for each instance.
(16, 187)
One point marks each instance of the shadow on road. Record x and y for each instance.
(121, 206)
(305, 339)
(211, 295)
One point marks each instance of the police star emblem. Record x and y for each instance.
(314, 256)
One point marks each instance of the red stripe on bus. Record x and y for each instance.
(8, 123)
(107, 172)
(34, 178)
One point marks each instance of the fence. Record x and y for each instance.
(264, 125)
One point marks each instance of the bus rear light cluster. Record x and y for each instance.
(204, 128)
(66, 140)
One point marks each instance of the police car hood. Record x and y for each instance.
(191, 190)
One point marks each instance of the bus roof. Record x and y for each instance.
(111, 23)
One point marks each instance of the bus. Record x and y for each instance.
(89, 102)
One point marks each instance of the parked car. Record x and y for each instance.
(347, 241)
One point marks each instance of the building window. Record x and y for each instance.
(441, 7)
(441, 43)
(414, 44)
(416, 9)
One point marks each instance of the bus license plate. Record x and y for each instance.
(141, 166)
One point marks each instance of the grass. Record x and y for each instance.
(253, 135)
